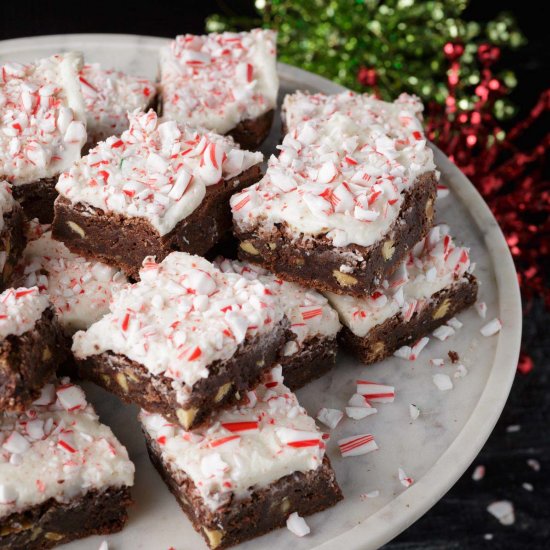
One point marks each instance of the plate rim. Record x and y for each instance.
(414, 502)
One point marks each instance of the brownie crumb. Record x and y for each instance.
(453, 356)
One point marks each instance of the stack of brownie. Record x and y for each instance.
(336, 244)
(347, 208)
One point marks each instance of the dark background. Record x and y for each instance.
(460, 519)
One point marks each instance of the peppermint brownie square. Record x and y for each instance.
(63, 475)
(12, 234)
(244, 474)
(351, 192)
(109, 95)
(185, 341)
(30, 346)
(158, 187)
(79, 290)
(311, 350)
(430, 287)
(225, 82)
(42, 128)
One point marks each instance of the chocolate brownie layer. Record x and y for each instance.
(51, 523)
(384, 339)
(250, 133)
(316, 357)
(263, 511)
(37, 199)
(12, 242)
(30, 360)
(316, 263)
(124, 241)
(226, 382)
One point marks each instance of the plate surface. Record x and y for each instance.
(434, 450)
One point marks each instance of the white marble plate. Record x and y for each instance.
(435, 449)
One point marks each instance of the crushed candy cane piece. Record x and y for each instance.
(356, 445)
(491, 328)
(455, 323)
(405, 480)
(534, 464)
(330, 417)
(437, 362)
(297, 525)
(414, 411)
(358, 413)
(527, 486)
(443, 332)
(481, 308)
(460, 372)
(479, 473)
(442, 381)
(513, 428)
(503, 510)
(442, 192)
(371, 494)
(374, 392)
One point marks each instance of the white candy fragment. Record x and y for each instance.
(460, 372)
(443, 332)
(358, 413)
(479, 473)
(503, 510)
(405, 480)
(527, 486)
(414, 411)
(534, 464)
(297, 525)
(330, 417)
(491, 328)
(442, 381)
(481, 308)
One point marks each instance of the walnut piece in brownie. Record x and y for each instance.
(12, 234)
(430, 287)
(31, 346)
(158, 187)
(351, 192)
(42, 128)
(314, 324)
(63, 475)
(109, 95)
(185, 341)
(79, 290)
(244, 474)
(225, 82)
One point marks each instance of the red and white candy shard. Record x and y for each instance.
(217, 80)
(157, 170)
(297, 525)
(357, 445)
(481, 308)
(330, 417)
(343, 169)
(42, 118)
(503, 510)
(437, 362)
(252, 444)
(82, 454)
(491, 328)
(479, 473)
(374, 392)
(405, 480)
(442, 381)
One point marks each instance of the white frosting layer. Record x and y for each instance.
(247, 448)
(342, 174)
(57, 449)
(80, 290)
(218, 80)
(20, 309)
(109, 95)
(182, 315)
(6, 204)
(42, 118)
(308, 311)
(157, 171)
(434, 264)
